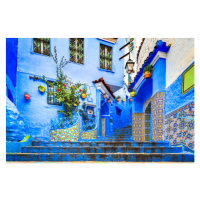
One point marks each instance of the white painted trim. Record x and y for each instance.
(138, 83)
(159, 54)
(103, 89)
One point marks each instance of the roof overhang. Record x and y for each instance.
(111, 40)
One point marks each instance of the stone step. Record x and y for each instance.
(101, 143)
(108, 149)
(102, 157)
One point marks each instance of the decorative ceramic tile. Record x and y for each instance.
(71, 134)
(89, 134)
(179, 130)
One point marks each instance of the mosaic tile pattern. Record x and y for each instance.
(70, 134)
(180, 131)
(137, 130)
(157, 119)
(157, 110)
(89, 134)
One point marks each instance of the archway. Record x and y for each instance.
(104, 118)
(148, 123)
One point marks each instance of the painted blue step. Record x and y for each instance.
(51, 149)
(116, 157)
(101, 143)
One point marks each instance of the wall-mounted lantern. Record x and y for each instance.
(129, 66)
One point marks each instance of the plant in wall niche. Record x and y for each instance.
(147, 71)
(41, 88)
(26, 95)
(66, 91)
(132, 93)
(88, 124)
(118, 98)
(108, 100)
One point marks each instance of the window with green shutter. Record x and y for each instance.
(41, 46)
(105, 57)
(76, 48)
(188, 79)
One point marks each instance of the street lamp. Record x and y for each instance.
(129, 66)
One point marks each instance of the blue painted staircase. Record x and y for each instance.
(118, 148)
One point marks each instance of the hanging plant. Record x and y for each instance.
(41, 88)
(132, 93)
(104, 95)
(118, 98)
(84, 92)
(147, 71)
(26, 95)
(108, 100)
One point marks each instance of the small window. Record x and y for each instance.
(105, 57)
(41, 46)
(188, 79)
(51, 98)
(76, 48)
(118, 111)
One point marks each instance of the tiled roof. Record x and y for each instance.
(140, 48)
(105, 84)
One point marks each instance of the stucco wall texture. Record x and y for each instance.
(179, 56)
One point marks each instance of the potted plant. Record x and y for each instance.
(132, 93)
(147, 71)
(130, 100)
(26, 95)
(41, 88)
(108, 100)
(118, 98)
(124, 100)
(84, 91)
(104, 95)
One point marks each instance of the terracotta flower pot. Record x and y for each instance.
(83, 95)
(108, 100)
(26, 96)
(147, 74)
(104, 96)
(118, 100)
(130, 100)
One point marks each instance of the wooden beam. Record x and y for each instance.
(125, 55)
(125, 45)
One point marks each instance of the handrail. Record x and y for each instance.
(179, 113)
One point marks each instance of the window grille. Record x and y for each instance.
(76, 47)
(51, 97)
(105, 57)
(41, 46)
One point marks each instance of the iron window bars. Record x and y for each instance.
(41, 46)
(50, 97)
(105, 57)
(76, 47)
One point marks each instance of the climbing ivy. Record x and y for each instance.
(66, 91)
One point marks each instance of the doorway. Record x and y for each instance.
(148, 123)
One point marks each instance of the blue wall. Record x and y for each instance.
(174, 98)
(11, 68)
(36, 112)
